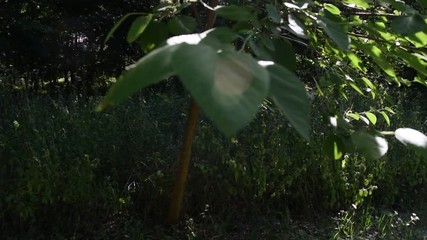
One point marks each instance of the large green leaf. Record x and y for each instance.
(289, 94)
(283, 53)
(228, 86)
(182, 24)
(220, 37)
(336, 30)
(369, 145)
(154, 35)
(151, 69)
(407, 25)
(235, 13)
(138, 26)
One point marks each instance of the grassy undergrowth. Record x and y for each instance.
(68, 172)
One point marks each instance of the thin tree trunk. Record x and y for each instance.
(177, 197)
(184, 163)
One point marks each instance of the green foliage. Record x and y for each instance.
(61, 173)
(336, 30)
(408, 25)
(138, 26)
(236, 13)
(369, 145)
(156, 64)
(333, 19)
(67, 165)
(290, 95)
(229, 89)
(63, 166)
(182, 25)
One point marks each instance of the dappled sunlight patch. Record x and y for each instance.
(232, 79)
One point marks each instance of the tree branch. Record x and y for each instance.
(370, 14)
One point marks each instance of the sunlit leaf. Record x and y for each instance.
(372, 89)
(355, 116)
(154, 67)
(379, 29)
(419, 39)
(413, 61)
(421, 80)
(359, 3)
(355, 61)
(289, 94)
(138, 26)
(228, 86)
(388, 109)
(369, 84)
(372, 118)
(332, 8)
(386, 118)
(377, 55)
(369, 145)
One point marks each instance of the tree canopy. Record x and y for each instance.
(255, 50)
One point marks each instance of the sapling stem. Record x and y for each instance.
(177, 197)
(184, 163)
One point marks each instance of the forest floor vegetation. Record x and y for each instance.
(68, 172)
